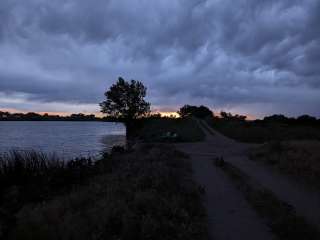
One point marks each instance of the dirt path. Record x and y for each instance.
(230, 216)
(306, 201)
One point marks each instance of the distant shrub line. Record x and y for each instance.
(260, 131)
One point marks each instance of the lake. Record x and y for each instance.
(66, 139)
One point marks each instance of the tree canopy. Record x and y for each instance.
(126, 100)
(200, 112)
(229, 116)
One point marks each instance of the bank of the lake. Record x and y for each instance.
(147, 192)
(65, 139)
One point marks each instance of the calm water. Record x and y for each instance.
(67, 139)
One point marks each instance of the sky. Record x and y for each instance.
(252, 57)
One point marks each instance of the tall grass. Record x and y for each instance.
(22, 168)
(19, 166)
(29, 177)
(147, 193)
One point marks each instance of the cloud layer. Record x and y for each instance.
(255, 57)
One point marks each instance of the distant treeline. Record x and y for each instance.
(277, 118)
(31, 116)
(301, 120)
(205, 112)
(185, 111)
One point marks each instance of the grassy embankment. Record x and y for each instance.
(300, 159)
(292, 149)
(155, 130)
(260, 132)
(147, 193)
(278, 215)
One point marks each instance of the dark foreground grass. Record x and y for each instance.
(300, 159)
(30, 177)
(145, 194)
(260, 132)
(155, 130)
(279, 216)
(33, 176)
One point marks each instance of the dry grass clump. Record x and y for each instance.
(298, 158)
(145, 194)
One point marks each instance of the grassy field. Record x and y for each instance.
(144, 194)
(260, 132)
(156, 130)
(300, 159)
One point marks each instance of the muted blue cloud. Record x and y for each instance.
(226, 54)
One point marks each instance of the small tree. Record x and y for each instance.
(125, 101)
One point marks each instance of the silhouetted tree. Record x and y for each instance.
(225, 115)
(200, 112)
(229, 116)
(278, 118)
(125, 101)
(306, 120)
(185, 111)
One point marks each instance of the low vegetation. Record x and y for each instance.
(261, 131)
(145, 194)
(300, 159)
(169, 130)
(33, 176)
(280, 217)
(29, 177)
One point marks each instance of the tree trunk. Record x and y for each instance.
(129, 133)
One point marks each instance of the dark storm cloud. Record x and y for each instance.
(226, 54)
